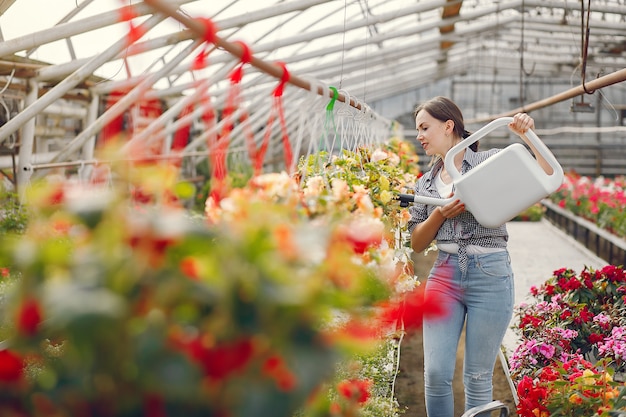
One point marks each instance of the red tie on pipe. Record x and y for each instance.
(127, 14)
(210, 36)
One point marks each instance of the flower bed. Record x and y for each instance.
(572, 352)
(600, 200)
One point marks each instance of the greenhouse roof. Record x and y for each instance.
(372, 48)
(369, 50)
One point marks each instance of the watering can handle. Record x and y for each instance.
(554, 179)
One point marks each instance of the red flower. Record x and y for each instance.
(355, 389)
(154, 406)
(585, 315)
(221, 360)
(276, 368)
(56, 197)
(595, 338)
(11, 366)
(362, 233)
(412, 309)
(5, 272)
(531, 320)
(549, 374)
(29, 317)
(614, 273)
(549, 290)
(531, 397)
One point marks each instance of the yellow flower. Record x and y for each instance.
(575, 399)
(386, 196)
(384, 183)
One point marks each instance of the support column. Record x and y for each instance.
(27, 139)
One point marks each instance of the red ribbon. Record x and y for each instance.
(219, 145)
(277, 108)
(246, 58)
(127, 14)
(278, 92)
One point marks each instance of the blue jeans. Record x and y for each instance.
(482, 299)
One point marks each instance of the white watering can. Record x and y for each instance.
(504, 185)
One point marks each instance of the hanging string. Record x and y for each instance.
(343, 40)
(218, 145)
(277, 110)
(584, 32)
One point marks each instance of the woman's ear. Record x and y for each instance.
(449, 127)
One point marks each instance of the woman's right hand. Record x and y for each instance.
(452, 209)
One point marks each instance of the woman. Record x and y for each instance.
(472, 270)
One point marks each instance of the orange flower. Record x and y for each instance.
(190, 267)
(284, 239)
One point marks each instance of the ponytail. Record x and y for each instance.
(473, 146)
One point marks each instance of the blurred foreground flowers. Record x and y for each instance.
(127, 304)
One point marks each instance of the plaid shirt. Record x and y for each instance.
(463, 229)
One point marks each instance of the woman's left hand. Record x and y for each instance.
(521, 123)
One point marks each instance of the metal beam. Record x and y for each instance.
(72, 81)
(69, 29)
(119, 107)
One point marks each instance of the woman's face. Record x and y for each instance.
(434, 135)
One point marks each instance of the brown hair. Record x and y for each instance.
(444, 109)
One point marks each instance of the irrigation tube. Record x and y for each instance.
(605, 81)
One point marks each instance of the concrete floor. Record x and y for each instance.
(537, 250)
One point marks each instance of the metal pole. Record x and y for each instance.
(119, 107)
(598, 134)
(90, 145)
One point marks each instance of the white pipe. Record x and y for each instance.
(150, 132)
(72, 112)
(66, 30)
(61, 70)
(119, 107)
